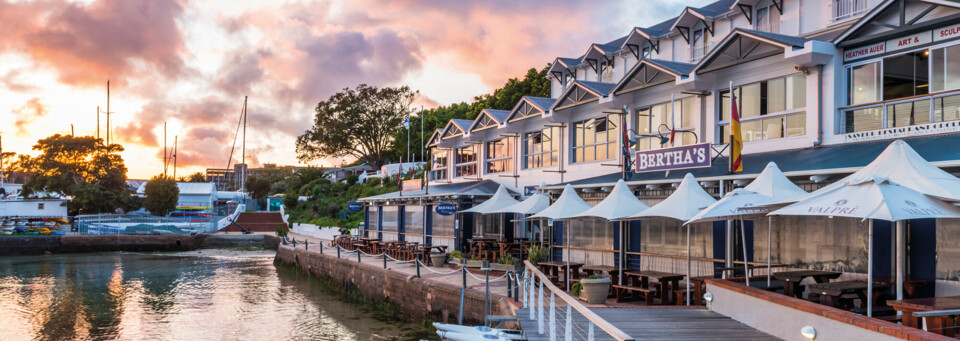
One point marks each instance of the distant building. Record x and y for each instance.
(340, 173)
(202, 194)
(228, 179)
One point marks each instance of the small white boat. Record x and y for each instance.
(456, 332)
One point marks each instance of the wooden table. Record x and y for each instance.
(506, 247)
(555, 268)
(934, 324)
(792, 279)
(666, 282)
(831, 292)
(477, 246)
(912, 287)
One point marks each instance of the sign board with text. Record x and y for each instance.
(902, 43)
(445, 209)
(354, 206)
(683, 157)
(902, 132)
(412, 185)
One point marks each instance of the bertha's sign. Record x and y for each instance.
(692, 156)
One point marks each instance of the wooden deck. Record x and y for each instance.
(650, 324)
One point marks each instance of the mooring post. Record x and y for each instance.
(509, 287)
(384, 260)
(418, 266)
(338, 251)
(358, 256)
(463, 292)
(306, 244)
(486, 297)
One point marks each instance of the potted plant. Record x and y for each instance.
(505, 263)
(438, 258)
(595, 289)
(537, 254)
(576, 289)
(475, 262)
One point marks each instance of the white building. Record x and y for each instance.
(203, 194)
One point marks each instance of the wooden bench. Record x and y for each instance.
(622, 290)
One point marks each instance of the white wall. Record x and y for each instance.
(51, 208)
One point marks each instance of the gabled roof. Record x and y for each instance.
(709, 12)
(581, 92)
(671, 68)
(434, 138)
(529, 106)
(489, 118)
(454, 128)
(773, 39)
(562, 64)
(844, 39)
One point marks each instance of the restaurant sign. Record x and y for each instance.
(354, 206)
(412, 185)
(901, 132)
(445, 209)
(683, 157)
(902, 43)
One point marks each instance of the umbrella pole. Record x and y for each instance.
(566, 230)
(769, 247)
(870, 269)
(688, 263)
(746, 263)
(623, 254)
(900, 259)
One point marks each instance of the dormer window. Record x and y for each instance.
(499, 156)
(605, 72)
(439, 165)
(698, 45)
(768, 19)
(466, 161)
(568, 79)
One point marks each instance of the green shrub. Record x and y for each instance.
(576, 288)
(281, 232)
(508, 260)
(595, 276)
(352, 180)
(474, 257)
(456, 254)
(538, 254)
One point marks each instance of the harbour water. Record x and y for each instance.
(216, 295)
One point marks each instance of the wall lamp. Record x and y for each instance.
(808, 332)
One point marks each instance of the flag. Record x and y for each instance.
(627, 163)
(406, 122)
(736, 140)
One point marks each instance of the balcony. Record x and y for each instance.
(768, 27)
(698, 51)
(841, 10)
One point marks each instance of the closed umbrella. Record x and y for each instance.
(871, 198)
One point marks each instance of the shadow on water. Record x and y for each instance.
(132, 296)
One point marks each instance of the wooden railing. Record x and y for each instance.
(544, 283)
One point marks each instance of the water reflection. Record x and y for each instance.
(165, 297)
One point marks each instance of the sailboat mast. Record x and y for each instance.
(164, 148)
(243, 152)
(174, 156)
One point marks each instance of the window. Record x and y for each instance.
(487, 225)
(438, 167)
(442, 225)
(685, 116)
(541, 148)
(568, 79)
(883, 93)
(390, 218)
(373, 218)
(846, 9)
(605, 73)
(466, 161)
(768, 19)
(770, 109)
(500, 155)
(591, 233)
(413, 220)
(595, 139)
(40, 206)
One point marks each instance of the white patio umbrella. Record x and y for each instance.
(499, 200)
(756, 199)
(904, 166)
(685, 202)
(619, 204)
(871, 198)
(568, 205)
(532, 205)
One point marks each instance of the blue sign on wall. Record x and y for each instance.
(446, 209)
(354, 206)
(529, 190)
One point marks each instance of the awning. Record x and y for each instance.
(688, 200)
(835, 159)
(483, 188)
(567, 205)
(501, 199)
(620, 203)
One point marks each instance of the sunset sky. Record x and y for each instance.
(190, 63)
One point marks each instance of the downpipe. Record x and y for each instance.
(819, 140)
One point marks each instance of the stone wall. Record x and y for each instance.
(34, 245)
(418, 298)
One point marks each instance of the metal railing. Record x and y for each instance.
(845, 9)
(923, 315)
(533, 286)
(106, 224)
(768, 27)
(698, 51)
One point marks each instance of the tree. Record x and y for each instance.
(259, 187)
(81, 167)
(162, 195)
(357, 122)
(197, 177)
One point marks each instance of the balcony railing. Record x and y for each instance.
(768, 27)
(698, 51)
(845, 9)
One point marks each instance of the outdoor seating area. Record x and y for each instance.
(492, 249)
(400, 250)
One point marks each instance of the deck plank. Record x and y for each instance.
(650, 324)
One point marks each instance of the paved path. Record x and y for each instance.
(649, 324)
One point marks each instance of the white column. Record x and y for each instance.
(568, 329)
(540, 311)
(553, 317)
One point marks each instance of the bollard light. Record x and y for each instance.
(808, 332)
(708, 297)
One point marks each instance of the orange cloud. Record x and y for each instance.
(28, 113)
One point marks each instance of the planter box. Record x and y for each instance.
(438, 259)
(474, 263)
(595, 290)
(503, 267)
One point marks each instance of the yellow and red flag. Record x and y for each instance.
(736, 140)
